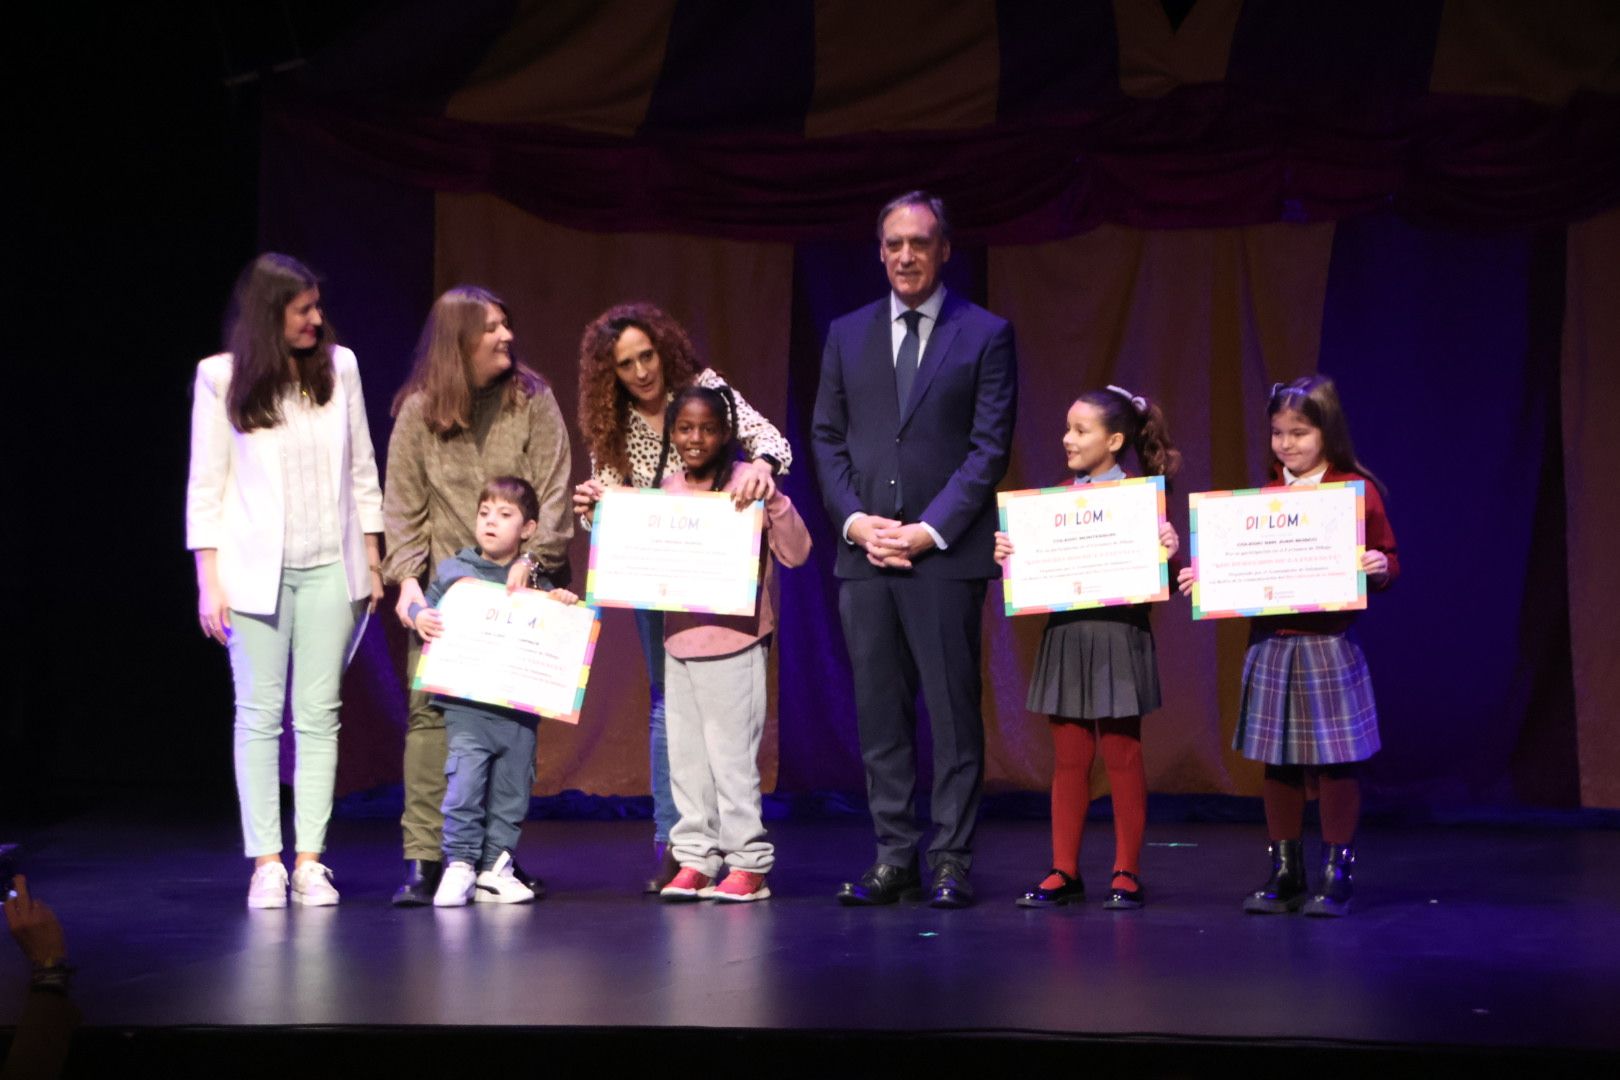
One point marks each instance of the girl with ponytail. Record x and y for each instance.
(1096, 675)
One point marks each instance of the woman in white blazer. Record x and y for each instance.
(284, 515)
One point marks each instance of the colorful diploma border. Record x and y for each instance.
(747, 565)
(570, 717)
(1003, 498)
(1199, 612)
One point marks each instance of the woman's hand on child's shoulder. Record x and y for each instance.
(429, 623)
(755, 480)
(1169, 540)
(1184, 580)
(1004, 548)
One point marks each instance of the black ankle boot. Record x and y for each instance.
(1284, 891)
(1333, 899)
(421, 882)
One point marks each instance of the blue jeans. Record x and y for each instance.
(650, 625)
(489, 773)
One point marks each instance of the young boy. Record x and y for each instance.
(491, 759)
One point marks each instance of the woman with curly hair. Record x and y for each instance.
(468, 412)
(633, 359)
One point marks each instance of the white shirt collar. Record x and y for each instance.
(1312, 477)
(929, 307)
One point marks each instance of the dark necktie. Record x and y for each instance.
(905, 362)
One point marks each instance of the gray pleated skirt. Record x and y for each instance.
(1096, 664)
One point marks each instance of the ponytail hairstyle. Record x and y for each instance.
(723, 403)
(1316, 399)
(256, 337)
(1142, 423)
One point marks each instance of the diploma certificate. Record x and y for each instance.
(1275, 551)
(1084, 546)
(650, 549)
(524, 651)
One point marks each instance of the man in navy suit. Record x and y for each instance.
(913, 421)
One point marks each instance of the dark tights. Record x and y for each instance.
(1074, 745)
(1339, 790)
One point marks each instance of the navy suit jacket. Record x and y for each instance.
(946, 451)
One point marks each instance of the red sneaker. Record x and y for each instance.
(689, 884)
(741, 885)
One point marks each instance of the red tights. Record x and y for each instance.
(1285, 792)
(1075, 746)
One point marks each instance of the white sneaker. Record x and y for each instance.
(498, 885)
(312, 885)
(456, 886)
(268, 889)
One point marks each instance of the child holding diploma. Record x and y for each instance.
(714, 674)
(1096, 675)
(491, 759)
(1307, 703)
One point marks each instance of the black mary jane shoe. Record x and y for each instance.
(1040, 896)
(421, 882)
(1126, 899)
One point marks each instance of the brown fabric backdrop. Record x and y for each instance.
(1591, 410)
(733, 298)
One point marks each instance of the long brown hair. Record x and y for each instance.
(1316, 399)
(256, 338)
(1142, 423)
(442, 369)
(604, 404)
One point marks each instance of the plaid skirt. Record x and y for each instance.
(1307, 700)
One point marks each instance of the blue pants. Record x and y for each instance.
(650, 625)
(489, 772)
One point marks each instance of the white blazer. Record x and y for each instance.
(234, 498)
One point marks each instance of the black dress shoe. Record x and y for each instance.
(1126, 899)
(535, 885)
(1039, 896)
(951, 888)
(421, 882)
(883, 883)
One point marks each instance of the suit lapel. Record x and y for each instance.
(939, 343)
(879, 345)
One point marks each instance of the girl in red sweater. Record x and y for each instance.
(1307, 705)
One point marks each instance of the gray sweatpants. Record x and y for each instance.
(715, 715)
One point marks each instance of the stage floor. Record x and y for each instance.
(1465, 937)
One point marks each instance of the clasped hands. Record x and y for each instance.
(889, 543)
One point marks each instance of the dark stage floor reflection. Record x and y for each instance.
(1466, 936)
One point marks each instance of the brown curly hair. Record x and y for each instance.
(604, 404)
